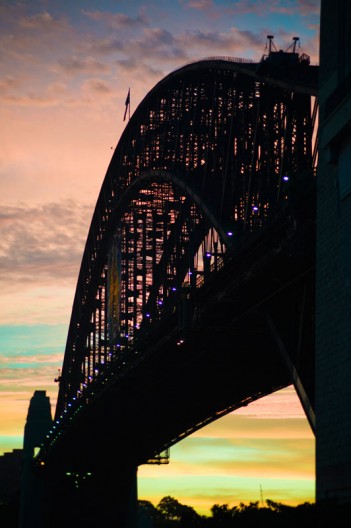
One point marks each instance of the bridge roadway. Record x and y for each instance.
(241, 336)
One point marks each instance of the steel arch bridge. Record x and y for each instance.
(198, 270)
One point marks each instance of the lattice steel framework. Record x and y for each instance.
(209, 155)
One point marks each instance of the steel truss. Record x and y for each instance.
(211, 154)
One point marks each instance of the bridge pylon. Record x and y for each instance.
(32, 493)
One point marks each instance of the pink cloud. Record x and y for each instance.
(76, 65)
(117, 20)
(40, 21)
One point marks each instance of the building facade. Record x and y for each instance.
(333, 301)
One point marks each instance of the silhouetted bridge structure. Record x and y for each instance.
(196, 289)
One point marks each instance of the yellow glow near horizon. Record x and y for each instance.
(230, 460)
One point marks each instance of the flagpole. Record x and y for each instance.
(127, 104)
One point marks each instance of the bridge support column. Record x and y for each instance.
(132, 512)
(106, 495)
(114, 492)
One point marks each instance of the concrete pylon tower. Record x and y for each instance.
(38, 423)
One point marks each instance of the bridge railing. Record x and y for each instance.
(225, 58)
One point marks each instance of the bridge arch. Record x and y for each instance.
(214, 151)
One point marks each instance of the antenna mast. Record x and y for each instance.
(295, 39)
(261, 493)
(270, 40)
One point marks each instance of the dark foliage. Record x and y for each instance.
(170, 513)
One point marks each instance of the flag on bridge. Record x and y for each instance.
(127, 103)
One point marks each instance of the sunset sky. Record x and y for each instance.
(65, 70)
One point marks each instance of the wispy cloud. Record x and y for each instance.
(257, 7)
(9, 83)
(76, 65)
(308, 7)
(40, 21)
(106, 45)
(31, 100)
(29, 36)
(271, 458)
(43, 359)
(117, 21)
(225, 43)
(97, 87)
(200, 4)
(43, 243)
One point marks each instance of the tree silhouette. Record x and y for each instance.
(175, 512)
(222, 515)
(148, 514)
(170, 513)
